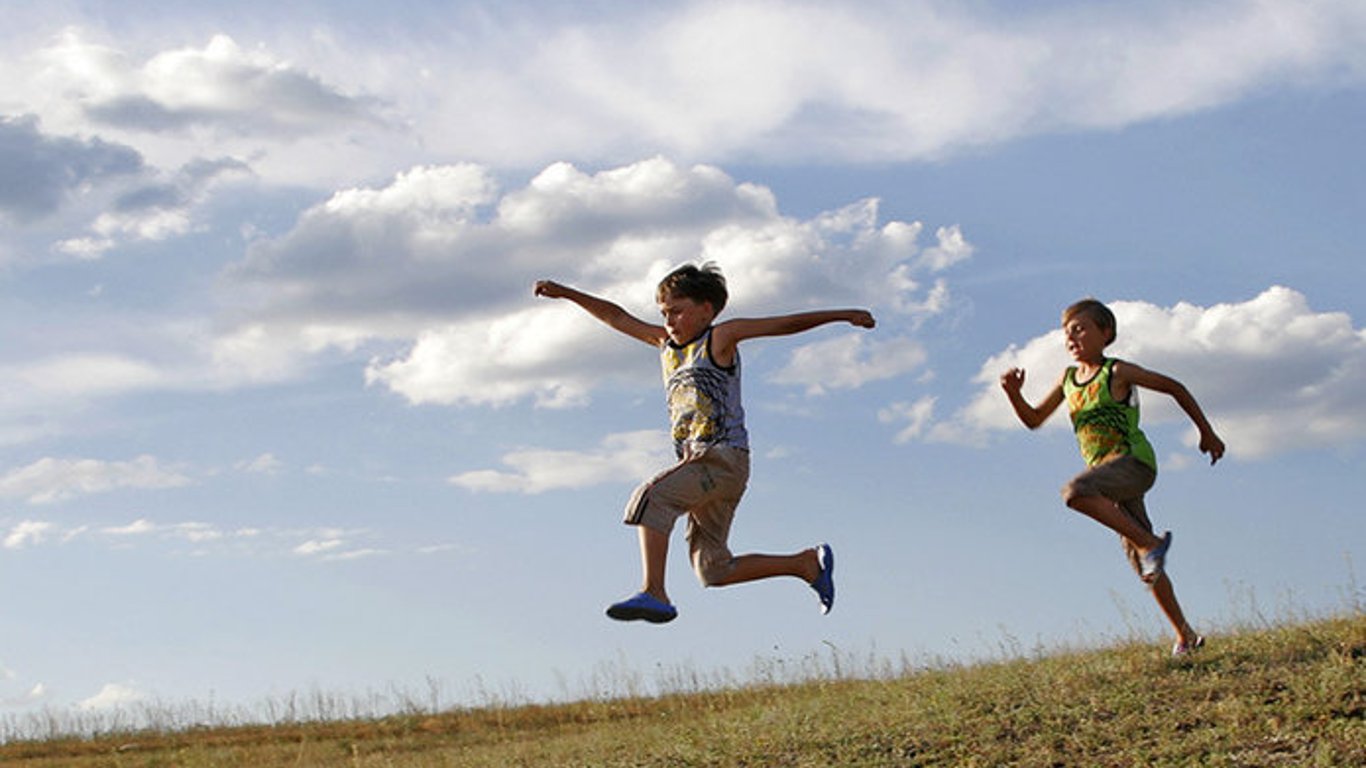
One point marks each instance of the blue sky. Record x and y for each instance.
(282, 415)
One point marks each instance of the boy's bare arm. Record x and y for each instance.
(611, 314)
(1032, 416)
(785, 325)
(725, 336)
(1138, 376)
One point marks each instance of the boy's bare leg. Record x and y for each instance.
(1166, 600)
(654, 553)
(803, 565)
(1110, 515)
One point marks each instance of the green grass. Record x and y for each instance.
(1292, 695)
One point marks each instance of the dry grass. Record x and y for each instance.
(1291, 695)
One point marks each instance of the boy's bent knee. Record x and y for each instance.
(714, 572)
(1078, 489)
(1071, 493)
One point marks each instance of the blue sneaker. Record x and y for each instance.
(644, 607)
(1152, 563)
(825, 581)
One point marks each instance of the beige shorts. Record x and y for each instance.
(1124, 481)
(706, 487)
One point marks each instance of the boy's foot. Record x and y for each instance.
(825, 580)
(1183, 648)
(1154, 560)
(643, 606)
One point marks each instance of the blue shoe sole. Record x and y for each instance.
(642, 607)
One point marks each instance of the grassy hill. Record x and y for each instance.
(1291, 695)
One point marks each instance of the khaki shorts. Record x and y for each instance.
(1124, 481)
(706, 487)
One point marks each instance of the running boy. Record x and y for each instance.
(1121, 465)
(701, 363)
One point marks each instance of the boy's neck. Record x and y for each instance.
(1088, 368)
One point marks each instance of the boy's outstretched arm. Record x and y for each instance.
(611, 314)
(1138, 376)
(1032, 416)
(743, 328)
(725, 336)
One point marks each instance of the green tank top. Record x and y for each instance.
(1105, 427)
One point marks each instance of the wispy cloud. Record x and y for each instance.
(910, 418)
(324, 544)
(51, 480)
(630, 454)
(336, 546)
(27, 533)
(265, 464)
(866, 81)
(112, 696)
(849, 362)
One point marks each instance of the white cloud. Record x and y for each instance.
(221, 87)
(81, 375)
(49, 479)
(139, 527)
(177, 99)
(354, 554)
(441, 263)
(848, 362)
(197, 533)
(100, 193)
(154, 208)
(315, 547)
(914, 417)
(325, 544)
(53, 169)
(1272, 374)
(739, 79)
(112, 696)
(379, 257)
(37, 692)
(26, 533)
(951, 249)
(631, 455)
(333, 546)
(265, 464)
(868, 81)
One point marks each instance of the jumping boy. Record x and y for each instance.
(1121, 465)
(701, 364)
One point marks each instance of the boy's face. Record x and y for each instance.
(684, 318)
(1086, 340)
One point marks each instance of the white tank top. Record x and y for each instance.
(703, 397)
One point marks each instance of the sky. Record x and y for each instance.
(282, 414)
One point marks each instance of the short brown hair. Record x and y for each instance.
(697, 282)
(1099, 314)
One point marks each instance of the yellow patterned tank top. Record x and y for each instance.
(1105, 427)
